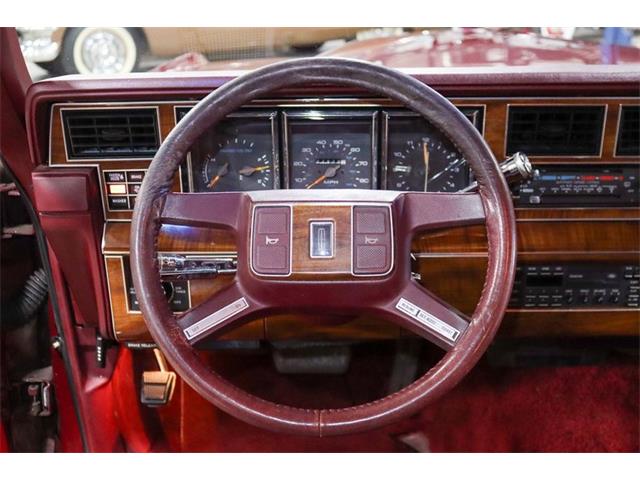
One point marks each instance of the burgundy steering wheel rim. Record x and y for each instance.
(492, 206)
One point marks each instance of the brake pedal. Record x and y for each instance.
(157, 386)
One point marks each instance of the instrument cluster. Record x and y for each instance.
(306, 148)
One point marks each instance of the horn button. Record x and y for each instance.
(271, 246)
(372, 250)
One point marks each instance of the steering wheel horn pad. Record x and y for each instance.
(361, 265)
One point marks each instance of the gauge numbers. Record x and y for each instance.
(331, 163)
(421, 159)
(237, 165)
(240, 155)
(331, 153)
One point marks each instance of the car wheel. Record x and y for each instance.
(100, 50)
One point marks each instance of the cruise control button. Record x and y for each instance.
(370, 258)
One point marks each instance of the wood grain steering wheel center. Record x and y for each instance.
(338, 251)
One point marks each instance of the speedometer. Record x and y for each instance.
(420, 158)
(331, 163)
(325, 152)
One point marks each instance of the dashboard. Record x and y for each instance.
(578, 219)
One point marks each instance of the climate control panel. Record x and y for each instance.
(571, 186)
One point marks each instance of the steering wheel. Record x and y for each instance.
(338, 251)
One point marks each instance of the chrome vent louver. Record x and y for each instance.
(555, 131)
(111, 133)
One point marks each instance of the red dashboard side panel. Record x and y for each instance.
(95, 405)
(68, 203)
(61, 194)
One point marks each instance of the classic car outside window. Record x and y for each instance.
(52, 51)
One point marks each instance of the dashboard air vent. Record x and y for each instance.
(475, 116)
(555, 131)
(111, 133)
(629, 132)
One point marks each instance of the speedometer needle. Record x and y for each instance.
(328, 173)
(222, 171)
(425, 157)
(248, 171)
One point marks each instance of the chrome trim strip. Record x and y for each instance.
(328, 196)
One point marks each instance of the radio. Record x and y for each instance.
(175, 272)
(176, 292)
(576, 285)
(581, 186)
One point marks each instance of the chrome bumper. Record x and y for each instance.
(36, 44)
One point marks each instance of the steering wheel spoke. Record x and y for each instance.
(429, 211)
(209, 210)
(422, 312)
(229, 305)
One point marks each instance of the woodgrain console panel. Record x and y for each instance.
(451, 262)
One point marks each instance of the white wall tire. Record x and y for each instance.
(101, 50)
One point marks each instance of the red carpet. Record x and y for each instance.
(576, 409)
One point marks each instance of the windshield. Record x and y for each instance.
(53, 51)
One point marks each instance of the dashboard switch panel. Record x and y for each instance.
(122, 187)
(271, 241)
